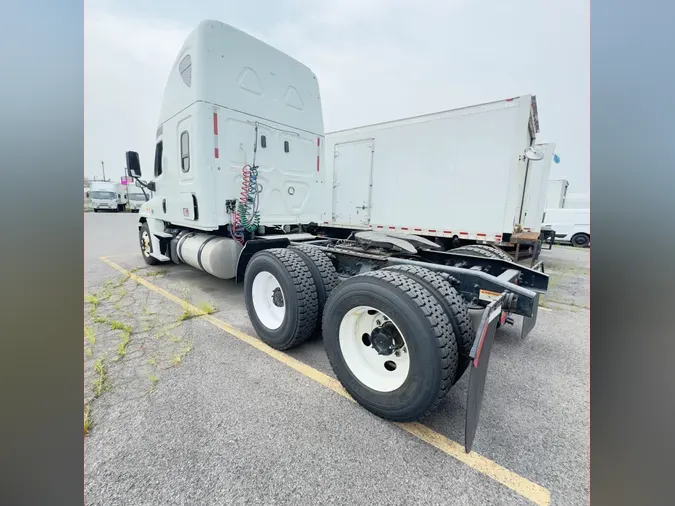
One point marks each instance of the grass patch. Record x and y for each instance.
(87, 418)
(99, 319)
(157, 272)
(92, 300)
(153, 382)
(176, 360)
(204, 308)
(101, 382)
(89, 335)
(186, 315)
(88, 351)
(122, 347)
(124, 279)
(176, 339)
(207, 307)
(116, 325)
(152, 361)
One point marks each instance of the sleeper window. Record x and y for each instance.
(185, 151)
(158, 159)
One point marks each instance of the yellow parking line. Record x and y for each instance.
(522, 486)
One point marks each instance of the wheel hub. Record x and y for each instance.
(277, 297)
(384, 339)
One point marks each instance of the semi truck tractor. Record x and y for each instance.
(239, 184)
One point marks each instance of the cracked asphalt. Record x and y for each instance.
(180, 412)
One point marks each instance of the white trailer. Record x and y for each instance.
(555, 193)
(239, 188)
(108, 196)
(468, 174)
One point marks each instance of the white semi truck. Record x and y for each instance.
(461, 176)
(107, 196)
(239, 187)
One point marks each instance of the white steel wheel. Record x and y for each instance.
(145, 239)
(374, 349)
(145, 243)
(268, 300)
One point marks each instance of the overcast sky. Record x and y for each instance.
(376, 60)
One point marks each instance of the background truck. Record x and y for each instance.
(108, 196)
(136, 197)
(577, 201)
(456, 177)
(239, 188)
(555, 193)
(570, 225)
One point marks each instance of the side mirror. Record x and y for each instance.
(531, 154)
(133, 164)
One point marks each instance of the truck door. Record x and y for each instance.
(352, 182)
(187, 203)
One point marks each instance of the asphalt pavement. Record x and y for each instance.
(183, 412)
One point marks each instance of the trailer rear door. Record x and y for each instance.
(352, 182)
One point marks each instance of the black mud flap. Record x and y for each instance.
(530, 321)
(480, 357)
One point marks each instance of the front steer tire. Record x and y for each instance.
(143, 236)
(427, 332)
(299, 297)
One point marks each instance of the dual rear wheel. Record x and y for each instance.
(397, 338)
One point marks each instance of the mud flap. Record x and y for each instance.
(530, 321)
(480, 356)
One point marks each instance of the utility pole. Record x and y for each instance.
(103, 169)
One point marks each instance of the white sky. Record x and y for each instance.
(376, 60)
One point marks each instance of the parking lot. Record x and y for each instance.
(184, 406)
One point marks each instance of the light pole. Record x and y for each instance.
(103, 169)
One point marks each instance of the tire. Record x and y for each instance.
(322, 270)
(95, 210)
(144, 237)
(497, 251)
(476, 250)
(291, 318)
(580, 240)
(453, 305)
(429, 363)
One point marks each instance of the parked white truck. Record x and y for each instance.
(458, 176)
(107, 196)
(136, 197)
(239, 189)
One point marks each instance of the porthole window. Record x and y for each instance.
(263, 141)
(287, 146)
